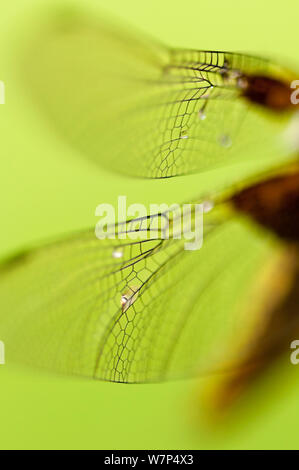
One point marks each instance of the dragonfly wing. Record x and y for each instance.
(144, 110)
(130, 310)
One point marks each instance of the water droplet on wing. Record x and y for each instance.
(184, 134)
(208, 206)
(118, 252)
(128, 297)
(225, 141)
(206, 94)
(202, 115)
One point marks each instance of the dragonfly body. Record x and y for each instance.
(271, 93)
(274, 204)
(269, 342)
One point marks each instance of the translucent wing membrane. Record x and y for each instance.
(144, 110)
(141, 308)
(130, 310)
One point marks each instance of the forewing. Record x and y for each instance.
(141, 109)
(126, 310)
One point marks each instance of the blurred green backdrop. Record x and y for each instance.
(46, 190)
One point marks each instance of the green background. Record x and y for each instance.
(47, 190)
